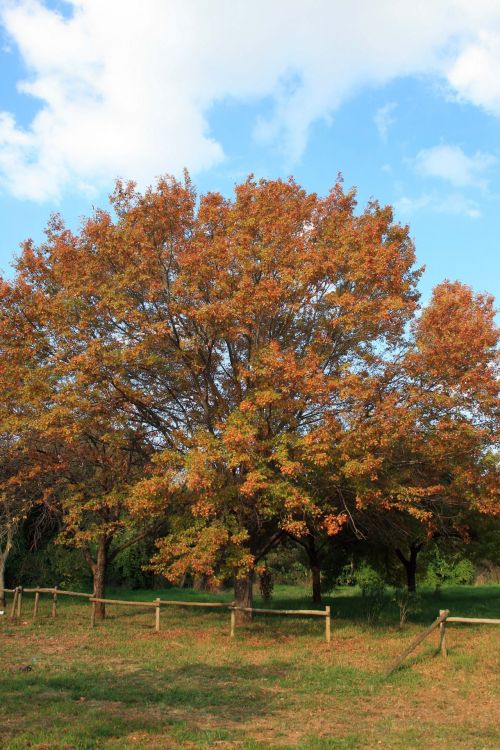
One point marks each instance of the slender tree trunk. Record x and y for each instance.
(316, 583)
(410, 565)
(243, 596)
(3, 559)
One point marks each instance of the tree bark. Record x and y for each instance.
(314, 560)
(3, 562)
(2, 581)
(316, 583)
(99, 570)
(243, 596)
(410, 565)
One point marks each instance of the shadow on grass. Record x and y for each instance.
(98, 703)
(349, 604)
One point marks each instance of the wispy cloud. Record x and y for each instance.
(450, 163)
(384, 118)
(455, 204)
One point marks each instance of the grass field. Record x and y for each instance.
(276, 685)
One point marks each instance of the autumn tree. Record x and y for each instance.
(263, 315)
(83, 451)
(432, 429)
(256, 353)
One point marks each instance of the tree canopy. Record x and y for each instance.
(243, 370)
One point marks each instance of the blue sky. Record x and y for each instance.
(404, 102)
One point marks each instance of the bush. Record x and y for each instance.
(53, 565)
(451, 570)
(347, 576)
(285, 565)
(266, 584)
(374, 592)
(407, 602)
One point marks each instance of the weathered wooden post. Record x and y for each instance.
(328, 625)
(92, 615)
(157, 615)
(14, 603)
(54, 602)
(233, 620)
(19, 601)
(442, 634)
(35, 605)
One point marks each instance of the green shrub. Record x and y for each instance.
(374, 592)
(450, 570)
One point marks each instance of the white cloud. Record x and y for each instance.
(455, 204)
(474, 75)
(383, 119)
(458, 204)
(452, 164)
(126, 87)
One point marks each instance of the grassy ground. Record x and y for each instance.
(276, 685)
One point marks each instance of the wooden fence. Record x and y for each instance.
(441, 622)
(17, 600)
(16, 609)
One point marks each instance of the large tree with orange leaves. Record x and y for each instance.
(259, 349)
(432, 427)
(65, 446)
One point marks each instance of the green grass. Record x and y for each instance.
(276, 685)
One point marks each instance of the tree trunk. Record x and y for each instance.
(3, 562)
(99, 569)
(2, 582)
(243, 596)
(316, 583)
(410, 565)
(100, 576)
(315, 567)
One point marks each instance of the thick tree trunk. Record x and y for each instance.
(243, 596)
(99, 569)
(313, 556)
(410, 566)
(99, 572)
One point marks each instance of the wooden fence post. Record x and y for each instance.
(54, 602)
(413, 645)
(14, 603)
(157, 615)
(442, 634)
(92, 615)
(35, 605)
(233, 622)
(328, 628)
(19, 601)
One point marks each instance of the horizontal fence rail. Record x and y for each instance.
(157, 604)
(194, 604)
(474, 620)
(308, 612)
(122, 601)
